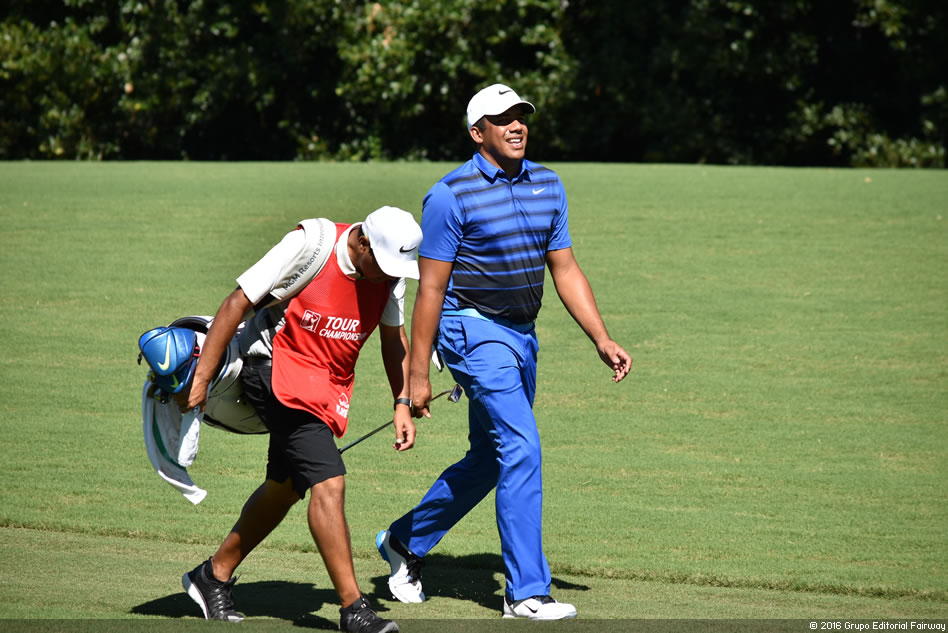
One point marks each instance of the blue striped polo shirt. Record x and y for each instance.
(497, 232)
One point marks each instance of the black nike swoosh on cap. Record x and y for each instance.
(406, 250)
(503, 92)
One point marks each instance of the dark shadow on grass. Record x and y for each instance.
(468, 578)
(291, 601)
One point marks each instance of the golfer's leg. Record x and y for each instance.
(519, 500)
(262, 512)
(462, 486)
(327, 523)
(456, 491)
(505, 379)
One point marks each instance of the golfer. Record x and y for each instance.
(302, 395)
(491, 227)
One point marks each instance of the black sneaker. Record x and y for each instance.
(359, 617)
(213, 596)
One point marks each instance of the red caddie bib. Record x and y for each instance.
(315, 353)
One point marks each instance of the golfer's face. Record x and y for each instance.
(505, 135)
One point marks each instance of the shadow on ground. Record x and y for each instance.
(468, 578)
(291, 601)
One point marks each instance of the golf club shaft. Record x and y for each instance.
(371, 433)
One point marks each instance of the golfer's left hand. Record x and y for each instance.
(404, 430)
(616, 358)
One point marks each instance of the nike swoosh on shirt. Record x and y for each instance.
(163, 366)
(541, 189)
(406, 250)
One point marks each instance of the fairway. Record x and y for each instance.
(778, 451)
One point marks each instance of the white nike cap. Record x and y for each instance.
(492, 100)
(394, 237)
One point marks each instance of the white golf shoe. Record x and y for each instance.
(538, 608)
(405, 580)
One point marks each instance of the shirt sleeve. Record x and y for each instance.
(441, 224)
(394, 313)
(272, 270)
(560, 238)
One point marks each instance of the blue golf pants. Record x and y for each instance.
(496, 366)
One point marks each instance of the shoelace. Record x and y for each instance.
(221, 598)
(414, 565)
(547, 599)
(360, 614)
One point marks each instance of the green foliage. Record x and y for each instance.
(852, 137)
(410, 67)
(858, 82)
(755, 81)
(60, 91)
(227, 80)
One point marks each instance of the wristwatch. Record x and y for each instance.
(399, 401)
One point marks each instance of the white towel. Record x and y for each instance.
(171, 441)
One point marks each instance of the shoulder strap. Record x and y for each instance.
(320, 242)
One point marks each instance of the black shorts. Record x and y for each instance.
(301, 445)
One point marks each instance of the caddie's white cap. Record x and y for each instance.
(492, 100)
(394, 237)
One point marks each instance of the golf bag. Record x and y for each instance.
(171, 438)
(226, 409)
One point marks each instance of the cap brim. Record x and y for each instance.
(532, 107)
(532, 110)
(399, 268)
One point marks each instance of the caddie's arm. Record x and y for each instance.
(395, 358)
(577, 296)
(432, 284)
(222, 330)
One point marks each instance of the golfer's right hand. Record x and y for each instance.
(420, 396)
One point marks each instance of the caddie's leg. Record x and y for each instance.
(327, 523)
(262, 512)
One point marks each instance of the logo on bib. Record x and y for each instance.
(342, 328)
(342, 407)
(310, 320)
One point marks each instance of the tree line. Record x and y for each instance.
(786, 82)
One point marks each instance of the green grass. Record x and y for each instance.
(778, 451)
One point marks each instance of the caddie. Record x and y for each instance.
(298, 376)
